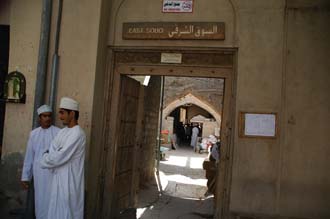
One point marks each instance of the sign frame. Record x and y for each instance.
(171, 58)
(243, 124)
(178, 2)
(173, 31)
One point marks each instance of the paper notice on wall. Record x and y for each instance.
(177, 6)
(260, 125)
(171, 58)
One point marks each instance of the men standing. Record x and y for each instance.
(66, 158)
(39, 142)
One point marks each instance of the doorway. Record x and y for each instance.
(183, 189)
(4, 58)
(128, 117)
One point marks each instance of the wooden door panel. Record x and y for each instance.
(124, 180)
(125, 143)
(128, 128)
(125, 162)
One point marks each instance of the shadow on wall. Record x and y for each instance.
(11, 194)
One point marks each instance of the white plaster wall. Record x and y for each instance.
(77, 66)
(305, 179)
(259, 84)
(286, 176)
(23, 56)
(151, 11)
(77, 51)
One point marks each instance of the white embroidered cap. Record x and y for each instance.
(44, 109)
(70, 104)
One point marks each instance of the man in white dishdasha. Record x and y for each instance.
(39, 142)
(66, 158)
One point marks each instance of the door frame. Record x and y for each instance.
(4, 56)
(121, 61)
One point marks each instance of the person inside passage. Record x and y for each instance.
(65, 159)
(39, 142)
(194, 136)
(211, 165)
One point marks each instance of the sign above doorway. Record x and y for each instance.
(174, 31)
(177, 6)
(171, 58)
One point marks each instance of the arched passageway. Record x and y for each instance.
(191, 99)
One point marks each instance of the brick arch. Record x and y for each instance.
(191, 99)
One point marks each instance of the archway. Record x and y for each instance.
(191, 99)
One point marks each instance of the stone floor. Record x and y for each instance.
(10, 208)
(12, 197)
(183, 185)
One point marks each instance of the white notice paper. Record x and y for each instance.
(171, 58)
(177, 6)
(260, 125)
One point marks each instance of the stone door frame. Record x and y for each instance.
(196, 62)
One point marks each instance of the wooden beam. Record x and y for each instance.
(172, 70)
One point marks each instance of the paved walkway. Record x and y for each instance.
(183, 184)
(10, 208)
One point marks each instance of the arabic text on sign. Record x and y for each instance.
(174, 30)
(195, 30)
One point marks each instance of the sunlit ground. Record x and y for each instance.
(181, 175)
(140, 211)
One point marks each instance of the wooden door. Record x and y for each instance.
(224, 169)
(126, 144)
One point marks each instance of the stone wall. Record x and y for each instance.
(194, 110)
(150, 127)
(282, 67)
(305, 179)
(209, 90)
(255, 173)
(150, 11)
(209, 128)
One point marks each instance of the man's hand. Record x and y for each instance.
(25, 184)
